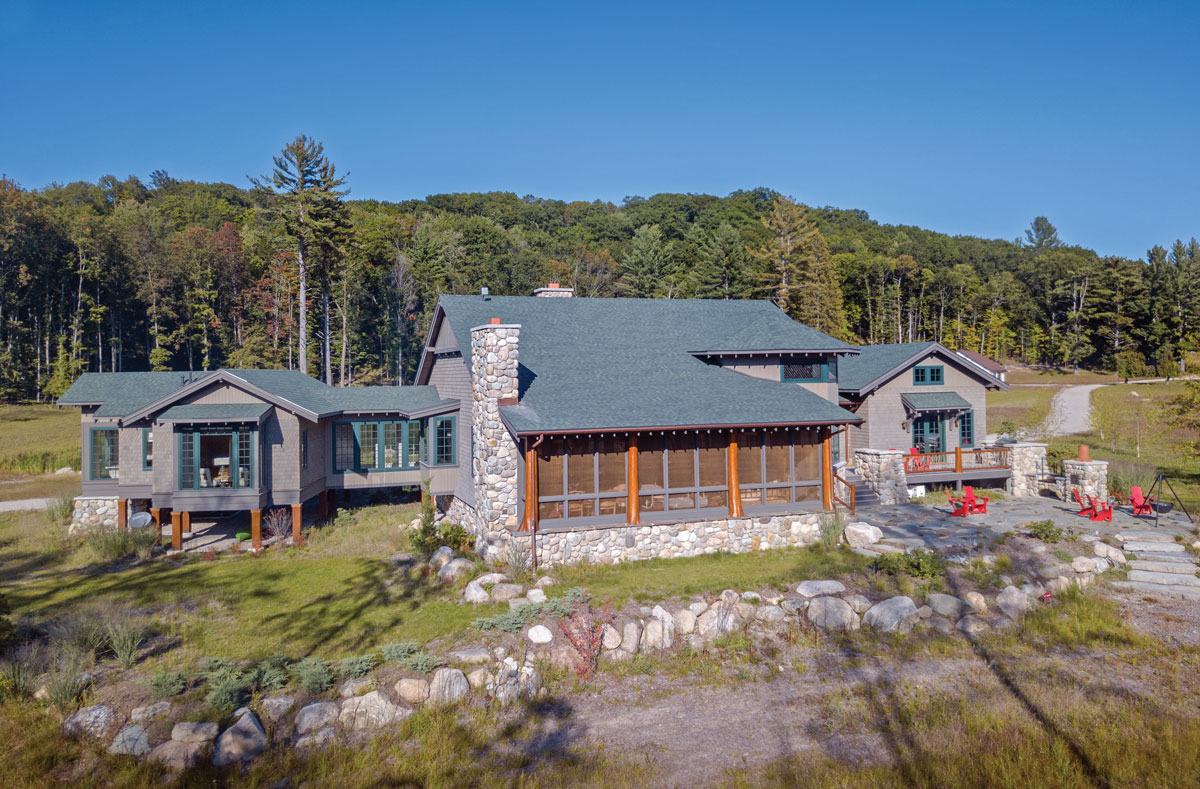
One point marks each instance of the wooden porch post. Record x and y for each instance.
(529, 521)
(122, 514)
(323, 503)
(296, 522)
(735, 486)
(632, 483)
(827, 470)
(156, 514)
(187, 522)
(958, 459)
(256, 529)
(176, 530)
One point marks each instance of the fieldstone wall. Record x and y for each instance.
(883, 471)
(1029, 469)
(494, 355)
(613, 544)
(93, 512)
(1089, 476)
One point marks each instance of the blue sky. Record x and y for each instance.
(953, 116)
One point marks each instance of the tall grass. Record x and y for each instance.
(40, 462)
(110, 546)
(61, 509)
(1125, 474)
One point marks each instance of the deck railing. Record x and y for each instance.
(848, 505)
(958, 461)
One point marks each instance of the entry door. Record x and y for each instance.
(927, 433)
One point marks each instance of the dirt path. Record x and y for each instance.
(25, 504)
(1070, 411)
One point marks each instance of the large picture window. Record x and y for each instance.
(778, 468)
(376, 446)
(216, 457)
(104, 454)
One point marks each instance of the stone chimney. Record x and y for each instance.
(494, 361)
(554, 291)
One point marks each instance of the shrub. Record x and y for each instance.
(167, 683)
(227, 690)
(584, 629)
(110, 546)
(1125, 474)
(267, 676)
(66, 683)
(395, 653)
(517, 555)
(314, 674)
(832, 527)
(6, 627)
(144, 541)
(125, 639)
(513, 620)
(1046, 531)
(427, 541)
(358, 666)
(421, 662)
(85, 634)
(61, 509)
(918, 563)
(278, 523)
(15, 678)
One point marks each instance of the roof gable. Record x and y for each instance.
(878, 364)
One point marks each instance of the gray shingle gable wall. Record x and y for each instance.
(240, 411)
(874, 362)
(594, 364)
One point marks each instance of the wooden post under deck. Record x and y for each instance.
(176, 530)
(323, 504)
(332, 503)
(122, 514)
(826, 471)
(187, 522)
(529, 521)
(634, 505)
(156, 514)
(735, 487)
(256, 529)
(296, 522)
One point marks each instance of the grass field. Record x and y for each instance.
(1025, 407)
(1062, 376)
(37, 438)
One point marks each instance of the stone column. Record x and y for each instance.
(883, 471)
(1028, 461)
(1090, 476)
(494, 364)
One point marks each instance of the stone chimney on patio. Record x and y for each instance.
(554, 291)
(494, 383)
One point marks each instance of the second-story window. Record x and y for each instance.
(804, 369)
(928, 375)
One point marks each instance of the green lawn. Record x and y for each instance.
(38, 438)
(1023, 406)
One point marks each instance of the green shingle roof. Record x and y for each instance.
(233, 412)
(593, 364)
(121, 394)
(935, 401)
(875, 361)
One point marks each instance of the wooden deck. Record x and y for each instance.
(992, 462)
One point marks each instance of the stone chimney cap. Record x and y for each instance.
(496, 325)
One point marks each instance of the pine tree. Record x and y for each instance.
(722, 271)
(645, 270)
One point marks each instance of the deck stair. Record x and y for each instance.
(864, 496)
(1162, 566)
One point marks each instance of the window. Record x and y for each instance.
(692, 467)
(147, 448)
(104, 459)
(779, 467)
(376, 446)
(443, 441)
(343, 447)
(368, 445)
(929, 375)
(304, 449)
(216, 457)
(804, 369)
(966, 429)
(413, 440)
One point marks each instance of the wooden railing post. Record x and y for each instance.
(826, 472)
(958, 463)
(735, 486)
(634, 505)
(176, 530)
(296, 515)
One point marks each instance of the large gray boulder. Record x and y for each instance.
(277, 706)
(414, 691)
(489, 579)
(858, 602)
(441, 557)
(631, 636)
(448, 686)
(371, 711)
(610, 637)
(860, 535)
(819, 588)
(473, 656)
(130, 741)
(662, 636)
(895, 613)
(831, 613)
(95, 721)
(241, 742)
(685, 621)
(720, 619)
(317, 739)
(454, 570)
(506, 591)
(770, 614)
(1012, 601)
(474, 593)
(193, 731)
(149, 712)
(176, 755)
(949, 606)
(316, 716)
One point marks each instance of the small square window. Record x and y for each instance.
(804, 369)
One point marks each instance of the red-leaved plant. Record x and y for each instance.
(584, 629)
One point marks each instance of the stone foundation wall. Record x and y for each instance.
(883, 471)
(92, 513)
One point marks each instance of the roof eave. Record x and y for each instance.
(851, 420)
(848, 351)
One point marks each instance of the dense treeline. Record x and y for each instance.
(288, 272)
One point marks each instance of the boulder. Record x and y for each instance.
(858, 602)
(150, 711)
(373, 710)
(514, 680)
(1101, 566)
(1084, 580)
(95, 721)
(745, 611)
(191, 731)
(770, 614)
(832, 613)
(978, 601)
(562, 656)
(448, 686)
(540, 634)
(860, 535)
(752, 597)
(667, 624)
(316, 716)
(545, 582)
(414, 691)
(535, 596)
(972, 626)
(441, 557)
(895, 613)
(698, 608)
(794, 605)
(354, 687)
(275, 707)
(454, 570)
(949, 606)
(475, 593)
(413, 524)
(721, 618)
(506, 591)
(130, 741)
(819, 588)
(924, 612)
(241, 742)
(1105, 551)
(685, 621)
(177, 755)
(472, 656)
(1012, 601)
(1059, 585)
(1083, 564)
(318, 739)
(478, 678)
(491, 579)
(941, 624)
(631, 636)
(1048, 573)
(610, 637)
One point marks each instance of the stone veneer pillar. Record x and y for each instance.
(1090, 476)
(494, 361)
(1028, 461)
(883, 471)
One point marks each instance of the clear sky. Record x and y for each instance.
(953, 116)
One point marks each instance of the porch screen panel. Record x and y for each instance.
(681, 472)
(610, 472)
(581, 477)
(651, 479)
(712, 464)
(105, 455)
(343, 447)
(550, 480)
(777, 452)
(750, 473)
(807, 459)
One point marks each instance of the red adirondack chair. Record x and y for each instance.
(915, 461)
(959, 505)
(1084, 508)
(1101, 510)
(1141, 504)
(976, 505)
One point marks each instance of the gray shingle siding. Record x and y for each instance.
(450, 376)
